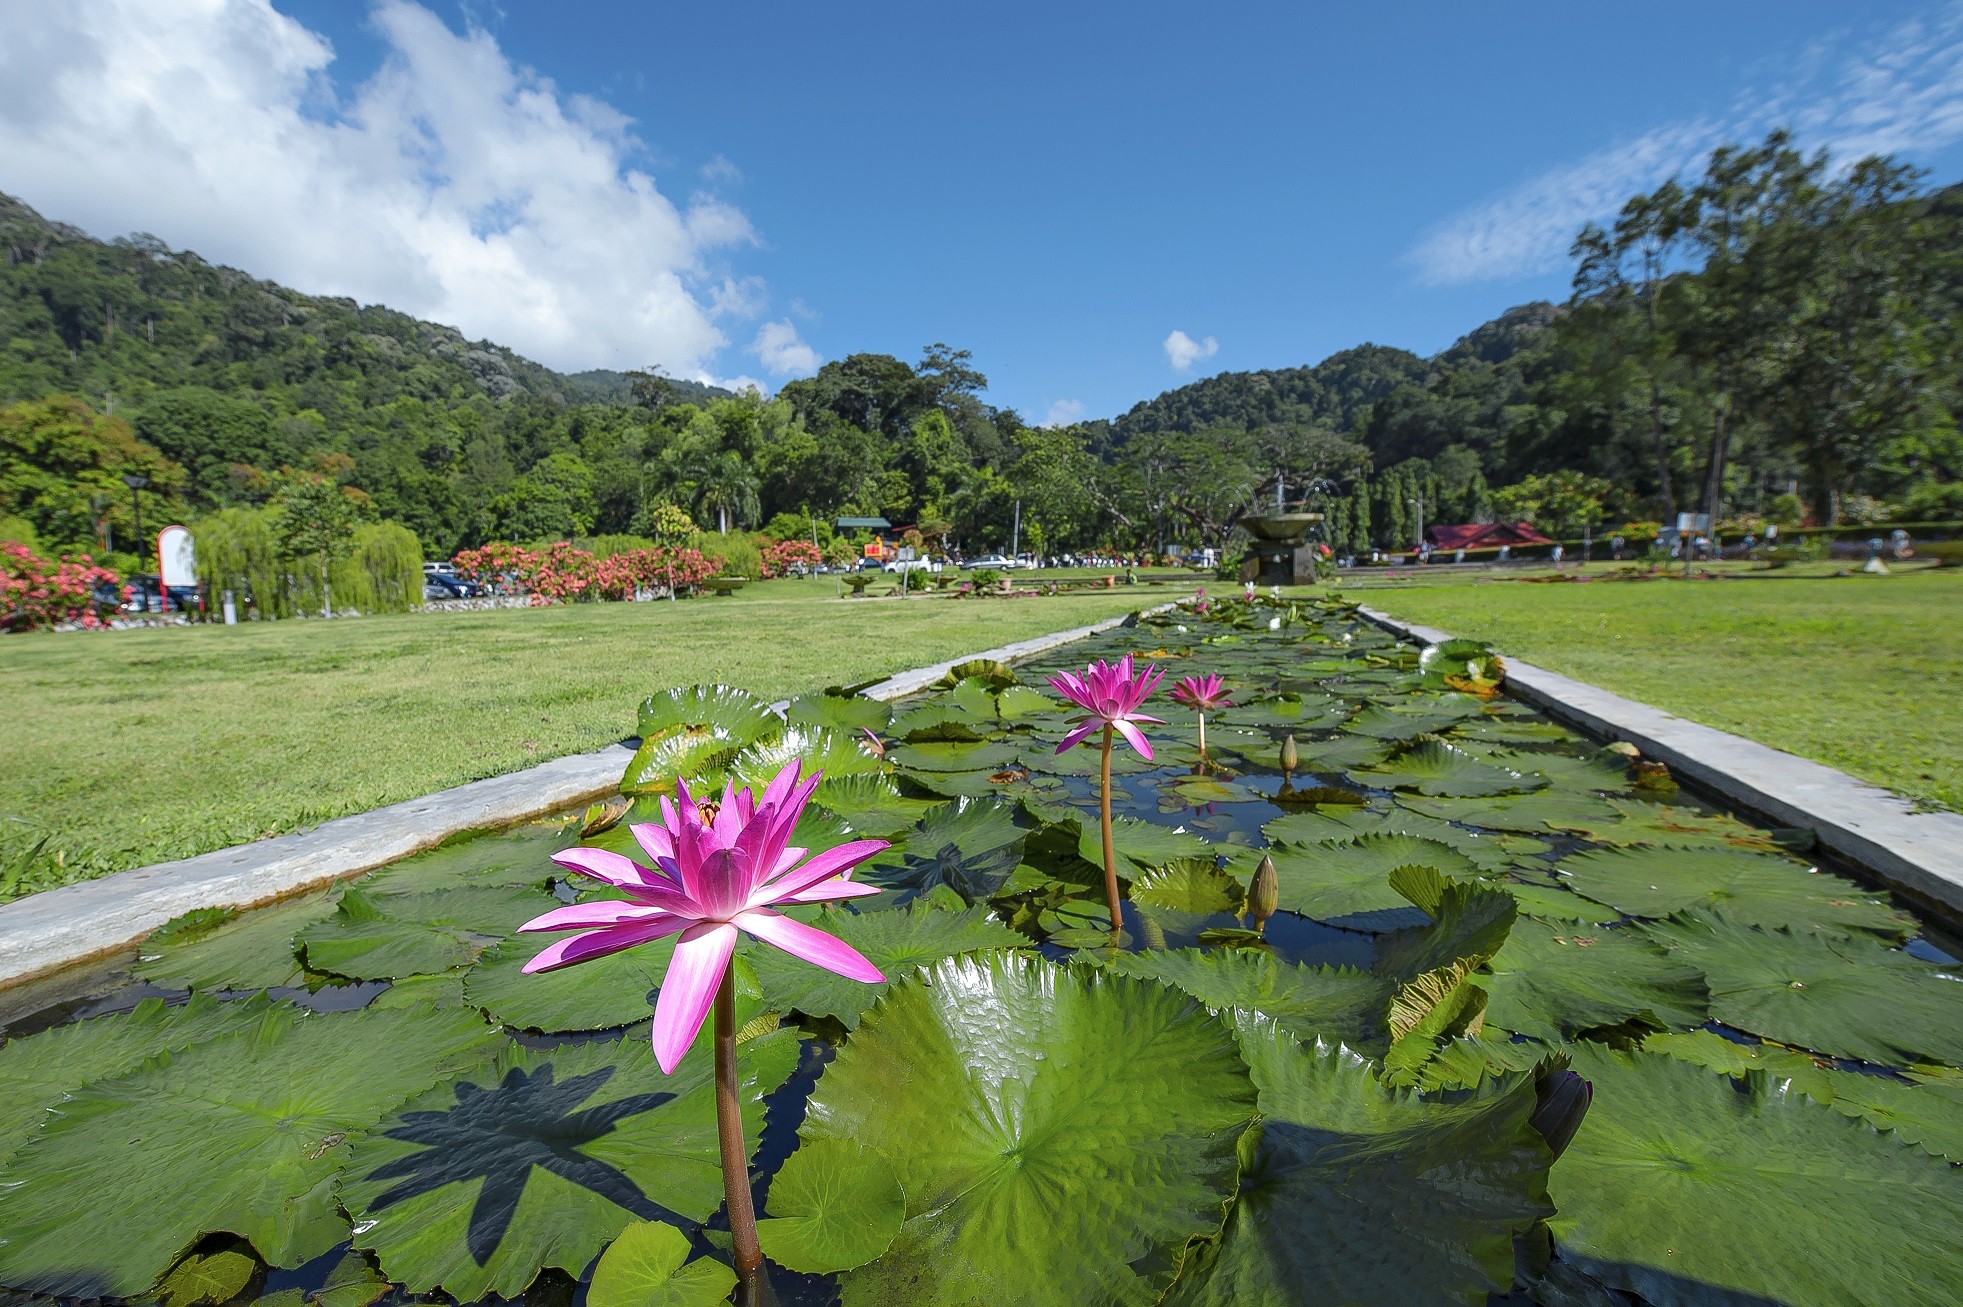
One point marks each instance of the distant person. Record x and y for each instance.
(1458, 555)
(1615, 547)
(1506, 552)
(1898, 544)
(1751, 544)
(1558, 551)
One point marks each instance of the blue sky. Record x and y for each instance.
(742, 191)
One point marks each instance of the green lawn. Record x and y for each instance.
(1864, 673)
(137, 746)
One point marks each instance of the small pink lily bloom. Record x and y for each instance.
(1201, 693)
(1110, 695)
(718, 869)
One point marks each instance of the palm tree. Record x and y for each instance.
(726, 484)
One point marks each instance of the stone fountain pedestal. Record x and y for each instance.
(1281, 554)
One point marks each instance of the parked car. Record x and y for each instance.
(148, 597)
(446, 569)
(915, 565)
(440, 586)
(869, 564)
(994, 561)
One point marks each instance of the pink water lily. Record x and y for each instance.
(718, 868)
(1201, 693)
(1109, 694)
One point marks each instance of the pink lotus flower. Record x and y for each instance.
(718, 869)
(1110, 694)
(1201, 693)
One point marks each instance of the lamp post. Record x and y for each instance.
(1419, 504)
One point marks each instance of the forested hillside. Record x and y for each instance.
(1776, 340)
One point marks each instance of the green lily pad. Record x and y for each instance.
(1062, 1132)
(224, 949)
(1554, 903)
(1639, 822)
(1298, 712)
(987, 756)
(542, 1157)
(1469, 924)
(1553, 983)
(1357, 1193)
(1716, 1053)
(869, 806)
(1399, 724)
(647, 1266)
(835, 753)
(1602, 771)
(1501, 730)
(1327, 821)
(833, 1206)
(687, 753)
(849, 713)
(896, 940)
(1198, 791)
(737, 713)
(38, 1070)
(507, 859)
(1334, 1004)
(1842, 997)
(971, 846)
(1437, 768)
(1191, 885)
(1535, 814)
(1337, 879)
(615, 990)
(351, 1283)
(1752, 889)
(1686, 1190)
(1471, 1060)
(1143, 843)
(244, 1132)
(382, 936)
(202, 1278)
(1344, 753)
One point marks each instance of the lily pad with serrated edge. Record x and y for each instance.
(244, 1132)
(1553, 982)
(895, 940)
(647, 1265)
(206, 1278)
(948, 756)
(1850, 997)
(599, 994)
(835, 753)
(1436, 768)
(1536, 814)
(517, 858)
(382, 936)
(1400, 724)
(1120, 1101)
(1140, 843)
(849, 713)
(1469, 924)
(1639, 822)
(1687, 1189)
(1752, 889)
(869, 806)
(1343, 878)
(833, 1206)
(1334, 1004)
(738, 714)
(1367, 1193)
(226, 949)
(971, 846)
(542, 1157)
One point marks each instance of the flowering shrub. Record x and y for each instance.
(36, 593)
(778, 558)
(559, 573)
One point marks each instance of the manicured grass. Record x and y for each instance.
(1864, 673)
(137, 746)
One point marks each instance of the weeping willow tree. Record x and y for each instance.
(238, 549)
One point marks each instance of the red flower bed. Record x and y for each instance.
(778, 558)
(36, 593)
(560, 573)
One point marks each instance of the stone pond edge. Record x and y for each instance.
(50, 931)
(1917, 852)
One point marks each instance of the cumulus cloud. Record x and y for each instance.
(1065, 412)
(782, 353)
(1182, 351)
(1898, 91)
(452, 183)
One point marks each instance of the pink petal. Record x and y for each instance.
(602, 865)
(1135, 736)
(689, 989)
(655, 840)
(1077, 736)
(599, 943)
(829, 890)
(808, 943)
(828, 863)
(593, 916)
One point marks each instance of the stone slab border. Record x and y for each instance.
(1918, 853)
(59, 928)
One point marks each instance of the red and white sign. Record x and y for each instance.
(177, 564)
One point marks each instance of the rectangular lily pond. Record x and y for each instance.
(1527, 1024)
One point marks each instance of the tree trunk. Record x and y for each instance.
(1663, 490)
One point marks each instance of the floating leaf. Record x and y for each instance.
(223, 949)
(1338, 879)
(1469, 924)
(544, 1156)
(1061, 1132)
(1685, 1190)
(847, 713)
(1326, 821)
(869, 806)
(1752, 889)
(1602, 771)
(989, 756)
(1143, 843)
(1399, 724)
(382, 936)
(1536, 813)
(1641, 822)
(515, 858)
(835, 753)
(1437, 768)
(833, 1206)
(737, 714)
(1343, 753)
(1192, 885)
(1553, 902)
(684, 754)
(1300, 712)
(1356, 1193)
(1842, 997)
(1554, 982)
(1438, 1006)
(243, 1133)
(647, 1266)
(971, 846)
(894, 940)
(218, 1277)
(600, 994)
(1334, 1004)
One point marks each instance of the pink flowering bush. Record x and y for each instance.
(778, 558)
(560, 573)
(36, 593)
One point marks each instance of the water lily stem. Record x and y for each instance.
(1110, 852)
(729, 1125)
(1202, 717)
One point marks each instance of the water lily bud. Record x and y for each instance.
(1264, 893)
(1290, 757)
(1626, 749)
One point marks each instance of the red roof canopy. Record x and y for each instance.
(1484, 535)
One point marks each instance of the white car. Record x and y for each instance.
(914, 565)
(995, 561)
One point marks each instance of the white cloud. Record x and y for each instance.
(782, 353)
(1182, 351)
(721, 171)
(452, 184)
(1899, 91)
(1065, 412)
